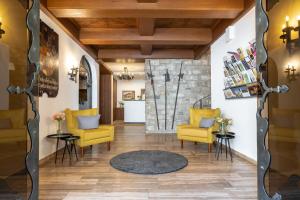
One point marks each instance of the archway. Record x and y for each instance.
(85, 84)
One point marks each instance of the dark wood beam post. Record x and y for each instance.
(146, 49)
(146, 27)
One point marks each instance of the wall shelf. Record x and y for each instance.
(240, 74)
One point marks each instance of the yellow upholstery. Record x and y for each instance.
(18, 131)
(105, 133)
(192, 132)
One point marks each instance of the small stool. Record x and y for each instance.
(70, 141)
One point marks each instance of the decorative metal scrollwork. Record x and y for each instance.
(264, 156)
(32, 157)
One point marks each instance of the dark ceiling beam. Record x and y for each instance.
(132, 9)
(147, 1)
(136, 54)
(146, 27)
(162, 36)
(219, 28)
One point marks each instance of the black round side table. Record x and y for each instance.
(58, 136)
(226, 137)
(70, 141)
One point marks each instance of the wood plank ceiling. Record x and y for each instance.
(139, 29)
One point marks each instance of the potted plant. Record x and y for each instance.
(59, 117)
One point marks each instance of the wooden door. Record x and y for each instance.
(115, 98)
(106, 98)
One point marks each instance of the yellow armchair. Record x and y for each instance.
(192, 132)
(105, 133)
(18, 131)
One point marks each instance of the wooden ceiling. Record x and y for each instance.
(140, 29)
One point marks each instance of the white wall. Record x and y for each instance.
(242, 111)
(70, 53)
(135, 85)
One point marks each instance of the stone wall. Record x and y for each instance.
(194, 85)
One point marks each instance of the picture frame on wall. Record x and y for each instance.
(48, 81)
(128, 95)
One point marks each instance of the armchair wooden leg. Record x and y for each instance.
(108, 146)
(182, 144)
(209, 148)
(81, 150)
(91, 146)
(195, 143)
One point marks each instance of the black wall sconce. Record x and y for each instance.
(73, 74)
(287, 30)
(291, 73)
(1, 30)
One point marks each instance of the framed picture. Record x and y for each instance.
(49, 61)
(128, 95)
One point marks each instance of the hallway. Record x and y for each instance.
(93, 178)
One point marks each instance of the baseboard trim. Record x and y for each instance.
(244, 157)
(49, 157)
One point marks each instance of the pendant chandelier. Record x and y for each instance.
(125, 75)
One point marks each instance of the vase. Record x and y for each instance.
(223, 129)
(58, 127)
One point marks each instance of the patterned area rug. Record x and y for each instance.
(149, 162)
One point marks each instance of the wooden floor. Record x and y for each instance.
(93, 178)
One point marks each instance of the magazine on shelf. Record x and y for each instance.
(241, 77)
(246, 78)
(241, 66)
(251, 75)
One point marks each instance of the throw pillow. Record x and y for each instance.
(88, 122)
(207, 122)
(5, 124)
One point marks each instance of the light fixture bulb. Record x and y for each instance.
(283, 26)
(287, 18)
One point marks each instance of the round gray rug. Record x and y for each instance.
(149, 162)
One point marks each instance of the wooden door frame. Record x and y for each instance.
(106, 95)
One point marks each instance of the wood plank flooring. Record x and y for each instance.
(93, 178)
